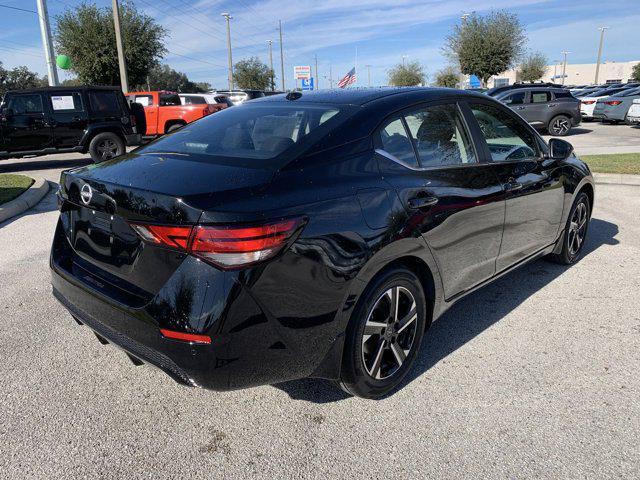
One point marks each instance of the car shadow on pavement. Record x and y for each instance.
(455, 328)
(578, 131)
(23, 166)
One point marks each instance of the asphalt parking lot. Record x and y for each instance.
(533, 376)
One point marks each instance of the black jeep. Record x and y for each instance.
(84, 119)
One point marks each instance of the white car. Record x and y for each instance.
(588, 102)
(633, 115)
(203, 98)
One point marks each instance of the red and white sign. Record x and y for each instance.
(302, 72)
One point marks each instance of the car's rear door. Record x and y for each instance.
(68, 116)
(539, 107)
(26, 128)
(534, 188)
(451, 197)
(518, 101)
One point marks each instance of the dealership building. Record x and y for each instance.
(576, 74)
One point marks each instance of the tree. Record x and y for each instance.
(163, 77)
(19, 78)
(533, 67)
(87, 35)
(635, 72)
(447, 77)
(408, 75)
(252, 74)
(486, 45)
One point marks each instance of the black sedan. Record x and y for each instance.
(311, 235)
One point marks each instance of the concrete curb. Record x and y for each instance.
(616, 179)
(25, 201)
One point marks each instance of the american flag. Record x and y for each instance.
(348, 79)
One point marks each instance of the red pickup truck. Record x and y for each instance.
(164, 111)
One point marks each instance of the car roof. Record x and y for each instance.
(363, 95)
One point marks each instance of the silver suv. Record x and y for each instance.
(553, 109)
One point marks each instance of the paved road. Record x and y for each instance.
(533, 376)
(592, 138)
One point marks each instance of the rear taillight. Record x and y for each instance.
(225, 246)
(185, 337)
(588, 102)
(614, 102)
(206, 111)
(132, 119)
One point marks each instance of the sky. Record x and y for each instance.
(341, 33)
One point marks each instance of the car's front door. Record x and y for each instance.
(534, 188)
(24, 126)
(69, 118)
(518, 102)
(451, 198)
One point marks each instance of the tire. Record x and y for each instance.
(174, 127)
(106, 146)
(559, 126)
(375, 362)
(573, 240)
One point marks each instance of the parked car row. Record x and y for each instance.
(558, 108)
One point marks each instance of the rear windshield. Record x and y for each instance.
(257, 132)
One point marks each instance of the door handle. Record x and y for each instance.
(513, 186)
(422, 202)
(552, 105)
(519, 108)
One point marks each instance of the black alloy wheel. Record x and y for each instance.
(559, 126)
(575, 232)
(384, 334)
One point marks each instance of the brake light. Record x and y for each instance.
(614, 102)
(206, 111)
(132, 119)
(225, 246)
(588, 102)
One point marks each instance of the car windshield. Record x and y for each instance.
(254, 133)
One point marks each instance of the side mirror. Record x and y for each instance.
(559, 149)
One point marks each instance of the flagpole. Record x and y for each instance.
(355, 71)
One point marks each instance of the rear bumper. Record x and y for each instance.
(191, 365)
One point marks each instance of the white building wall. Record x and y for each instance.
(577, 74)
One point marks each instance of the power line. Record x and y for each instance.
(196, 59)
(17, 8)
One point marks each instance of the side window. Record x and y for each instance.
(169, 100)
(439, 136)
(144, 100)
(193, 100)
(540, 97)
(516, 98)
(21, 104)
(396, 142)
(104, 102)
(506, 137)
(66, 102)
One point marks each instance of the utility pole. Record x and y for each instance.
(273, 85)
(602, 29)
(124, 81)
(317, 85)
(564, 65)
(368, 75)
(281, 55)
(45, 31)
(229, 17)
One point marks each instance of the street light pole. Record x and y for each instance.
(45, 31)
(403, 58)
(229, 17)
(602, 29)
(270, 42)
(281, 55)
(564, 65)
(124, 80)
(368, 75)
(317, 85)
